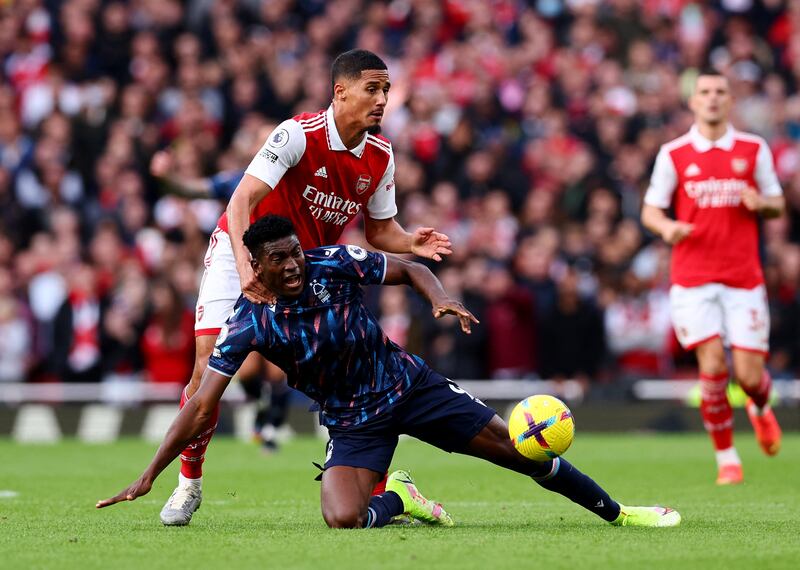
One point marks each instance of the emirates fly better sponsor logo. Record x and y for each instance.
(329, 207)
(716, 192)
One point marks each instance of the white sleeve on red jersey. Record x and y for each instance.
(282, 150)
(766, 178)
(381, 205)
(663, 181)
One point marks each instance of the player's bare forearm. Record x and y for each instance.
(188, 424)
(654, 219)
(671, 231)
(404, 272)
(189, 188)
(388, 235)
(247, 195)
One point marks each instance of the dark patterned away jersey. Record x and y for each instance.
(327, 341)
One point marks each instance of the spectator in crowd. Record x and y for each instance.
(456, 355)
(572, 334)
(15, 330)
(510, 324)
(167, 343)
(638, 329)
(77, 342)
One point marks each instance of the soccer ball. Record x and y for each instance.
(541, 427)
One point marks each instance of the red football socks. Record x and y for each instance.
(193, 456)
(716, 410)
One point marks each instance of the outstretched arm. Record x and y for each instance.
(188, 424)
(388, 235)
(162, 166)
(404, 272)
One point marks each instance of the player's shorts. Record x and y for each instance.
(436, 411)
(740, 317)
(220, 287)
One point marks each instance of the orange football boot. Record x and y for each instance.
(730, 474)
(768, 432)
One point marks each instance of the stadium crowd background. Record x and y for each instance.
(524, 130)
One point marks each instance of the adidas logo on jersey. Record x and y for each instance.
(321, 172)
(692, 170)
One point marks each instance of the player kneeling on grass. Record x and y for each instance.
(369, 389)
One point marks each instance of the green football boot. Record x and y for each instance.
(414, 503)
(647, 516)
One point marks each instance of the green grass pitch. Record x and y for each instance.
(263, 511)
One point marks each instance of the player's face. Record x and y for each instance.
(711, 101)
(281, 266)
(364, 99)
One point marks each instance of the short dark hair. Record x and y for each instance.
(712, 71)
(351, 63)
(265, 230)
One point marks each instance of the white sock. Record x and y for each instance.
(728, 457)
(186, 482)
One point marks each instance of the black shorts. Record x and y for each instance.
(436, 411)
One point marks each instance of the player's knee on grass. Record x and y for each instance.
(339, 515)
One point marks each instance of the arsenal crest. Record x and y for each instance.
(739, 165)
(363, 183)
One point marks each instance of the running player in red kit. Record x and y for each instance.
(320, 170)
(718, 181)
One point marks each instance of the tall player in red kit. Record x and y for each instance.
(718, 181)
(319, 170)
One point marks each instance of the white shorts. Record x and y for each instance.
(740, 317)
(220, 287)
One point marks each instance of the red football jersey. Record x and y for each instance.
(703, 181)
(317, 182)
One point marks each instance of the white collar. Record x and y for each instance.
(335, 141)
(702, 144)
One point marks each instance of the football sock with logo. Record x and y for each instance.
(193, 456)
(562, 477)
(760, 393)
(382, 508)
(716, 410)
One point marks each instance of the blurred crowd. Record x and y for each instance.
(525, 130)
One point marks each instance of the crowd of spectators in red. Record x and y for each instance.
(525, 130)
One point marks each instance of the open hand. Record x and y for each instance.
(453, 307)
(161, 164)
(137, 489)
(752, 200)
(427, 242)
(676, 232)
(252, 287)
